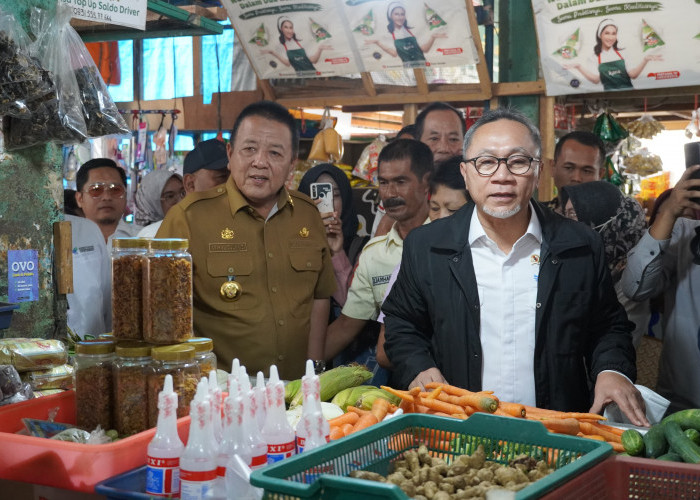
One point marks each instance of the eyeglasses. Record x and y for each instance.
(487, 165)
(171, 196)
(98, 189)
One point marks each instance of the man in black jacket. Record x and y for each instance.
(508, 296)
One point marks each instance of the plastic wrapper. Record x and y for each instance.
(24, 393)
(433, 18)
(366, 26)
(22, 78)
(366, 166)
(643, 163)
(570, 48)
(260, 37)
(608, 129)
(58, 377)
(75, 435)
(645, 127)
(320, 33)
(10, 383)
(650, 37)
(44, 428)
(32, 354)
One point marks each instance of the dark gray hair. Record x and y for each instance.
(503, 114)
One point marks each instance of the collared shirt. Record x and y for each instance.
(124, 230)
(507, 287)
(282, 264)
(377, 261)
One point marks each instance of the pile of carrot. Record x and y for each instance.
(357, 419)
(451, 401)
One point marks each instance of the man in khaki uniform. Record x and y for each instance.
(261, 265)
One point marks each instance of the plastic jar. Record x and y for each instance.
(204, 354)
(167, 292)
(178, 361)
(128, 257)
(131, 368)
(93, 384)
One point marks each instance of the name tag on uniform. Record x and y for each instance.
(228, 247)
(381, 280)
(85, 249)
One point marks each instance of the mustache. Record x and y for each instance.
(394, 202)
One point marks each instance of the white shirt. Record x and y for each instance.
(507, 287)
(124, 230)
(90, 305)
(150, 230)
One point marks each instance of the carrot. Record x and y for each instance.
(562, 425)
(380, 407)
(336, 433)
(407, 406)
(346, 428)
(617, 447)
(608, 428)
(441, 414)
(461, 416)
(437, 405)
(365, 421)
(503, 413)
(357, 410)
(404, 395)
(434, 393)
(345, 418)
(392, 407)
(469, 410)
(458, 391)
(596, 437)
(588, 428)
(540, 413)
(512, 409)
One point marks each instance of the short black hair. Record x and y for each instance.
(448, 173)
(587, 139)
(437, 106)
(84, 171)
(420, 156)
(273, 111)
(70, 206)
(407, 130)
(493, 115)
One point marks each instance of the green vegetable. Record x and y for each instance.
(655, 443)
(633, 442)
(693, 435)
(687, 419)
(680, 443)
(670, 457)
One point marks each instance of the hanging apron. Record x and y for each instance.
(408, 49)
(298, 59)
(613, 74)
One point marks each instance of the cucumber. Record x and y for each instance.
(693, 434)
(655, 443)
(687, 419)
(633, 442)
(680, 443)
(670, 457)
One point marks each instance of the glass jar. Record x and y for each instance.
(131, 368)
(167, 292)
(178, 361)
(128, 257)
(93, 384)
(204, 354)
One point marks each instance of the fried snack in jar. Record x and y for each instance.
(178, 361)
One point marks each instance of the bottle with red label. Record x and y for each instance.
(164, 450)
(277, 433)
(198, 460)
(259, 399)
(313, 429)
(258, 446)
(216, 401)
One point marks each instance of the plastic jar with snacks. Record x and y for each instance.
(131, 368)
(204, 354)
(167, 292)
(93, 384)
(128, 258)
(178, 361)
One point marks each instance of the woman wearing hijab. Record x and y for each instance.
(612, 70)
(159, 190)
(406, 45)
(341, 227)
(621, 224)
(294, 54)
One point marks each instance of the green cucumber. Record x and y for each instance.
(693, 434)
(680, 443)
(655, 443)
(633, 442)
(670, 457)
(687, 419)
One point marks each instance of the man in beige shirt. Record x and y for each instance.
(261, 265)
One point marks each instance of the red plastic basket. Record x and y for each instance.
(628, 477)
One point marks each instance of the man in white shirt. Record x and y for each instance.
(508, 296)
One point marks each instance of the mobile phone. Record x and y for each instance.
(324, 192)
(692, 157)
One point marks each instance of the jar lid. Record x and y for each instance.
(169, 244)
(134, 349)
(201, 344)
(177, 352)
(130, 243)
(105, 336)
(95, 347)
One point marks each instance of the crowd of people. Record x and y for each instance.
(468, 279)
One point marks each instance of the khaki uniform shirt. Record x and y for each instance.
(282, 265)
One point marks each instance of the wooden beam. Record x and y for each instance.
(545, 185)
(197, 64)
(63, 245)
(381, 99)
(481, 69)
(410, 112)
(518, 88)
(266, 89)
(368, 84)
(421, 81)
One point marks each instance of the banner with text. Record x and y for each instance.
(130, 13)
(609, 45)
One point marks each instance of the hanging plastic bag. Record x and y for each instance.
(328, 144)
(366, 167)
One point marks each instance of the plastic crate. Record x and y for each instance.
(321, 473)
(61, 464)
(629, 477)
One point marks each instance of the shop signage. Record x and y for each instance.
(22, 276)
(612, 45)
(286, 39)
(130, 13)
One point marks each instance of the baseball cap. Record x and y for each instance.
(210, 155)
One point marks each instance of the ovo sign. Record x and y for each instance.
(23, 266)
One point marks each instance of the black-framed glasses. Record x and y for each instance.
(171, 196)
(98, 189)
(487, 165)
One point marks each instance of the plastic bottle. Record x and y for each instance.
(277, 433)
(198, 460)
(258, 446)
(313, 429)
(164, 450)
(215, 394)
(260, 400)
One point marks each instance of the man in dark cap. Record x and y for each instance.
(205, 166)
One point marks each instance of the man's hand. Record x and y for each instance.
(429, 375)
(611, 387)
(681, 199)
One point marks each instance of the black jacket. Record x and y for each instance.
(432, 313)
